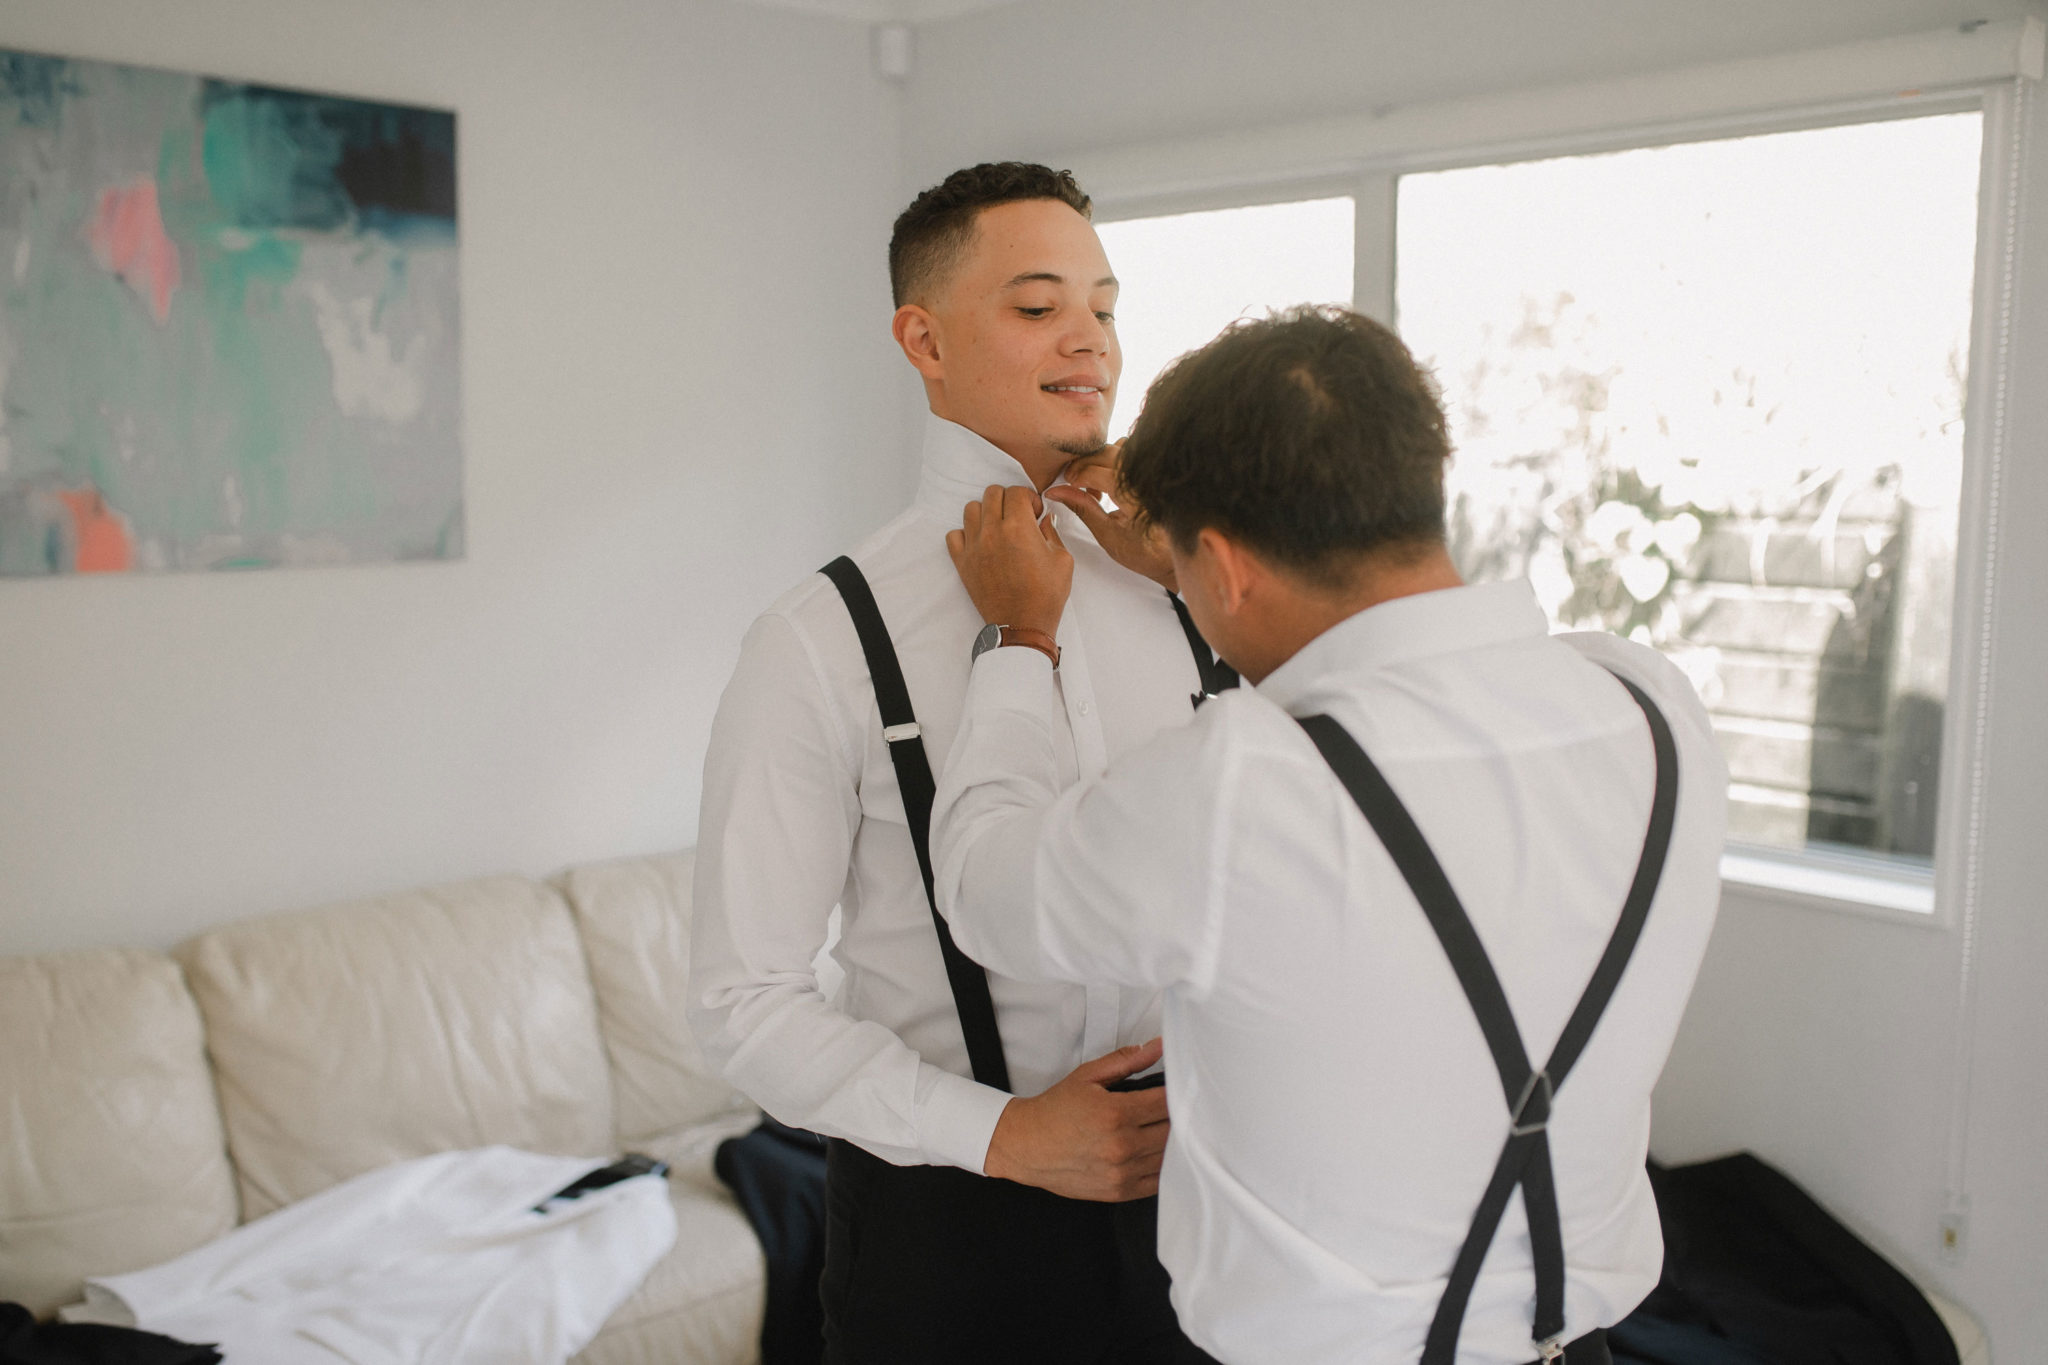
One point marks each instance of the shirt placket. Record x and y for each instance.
(1100, 1025)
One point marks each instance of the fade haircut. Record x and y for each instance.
(938, 226)
(1310, 435)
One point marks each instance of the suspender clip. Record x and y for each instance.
(1532, 1111)
(1547, 1351)
(896, 734)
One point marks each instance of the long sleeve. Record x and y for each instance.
(781, 812)
(1117, 879)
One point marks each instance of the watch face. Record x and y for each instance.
(988, 638)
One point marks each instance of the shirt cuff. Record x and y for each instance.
(957, 1120)
(1013, 676)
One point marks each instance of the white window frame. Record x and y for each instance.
(1982, 66)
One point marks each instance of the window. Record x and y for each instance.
(1187, 276)
(1710, 396)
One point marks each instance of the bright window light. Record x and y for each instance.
(1187, 276)
(1710, 396)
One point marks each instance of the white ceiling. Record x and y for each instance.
(886, 11)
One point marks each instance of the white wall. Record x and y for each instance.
(680, 395)
(1052, 76)
(1825, 1041)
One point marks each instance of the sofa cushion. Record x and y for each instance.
(112, 1156)
(635, 917)
(702, 1303)
(347, 1038)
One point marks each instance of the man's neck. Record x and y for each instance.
(1042, 463)
(1300, 613)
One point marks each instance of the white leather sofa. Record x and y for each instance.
(150, 1102)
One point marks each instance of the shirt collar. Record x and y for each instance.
(1406, 628)
(958, 467)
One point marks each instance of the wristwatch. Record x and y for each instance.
(992, 636)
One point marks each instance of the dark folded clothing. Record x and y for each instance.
(1757, 1273)
(24, 1341)
(778, 1175)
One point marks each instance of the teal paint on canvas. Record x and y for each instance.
(228, 324)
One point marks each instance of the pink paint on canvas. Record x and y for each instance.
(128, 238)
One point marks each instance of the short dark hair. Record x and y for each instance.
(1311, 435)
(938, 225)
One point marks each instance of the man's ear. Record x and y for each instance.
(1233, 573)
(917, 332)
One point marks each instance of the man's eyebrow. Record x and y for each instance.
(1048, 277)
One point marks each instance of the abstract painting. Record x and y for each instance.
(228, 324)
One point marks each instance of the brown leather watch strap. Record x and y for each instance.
(1034, 639)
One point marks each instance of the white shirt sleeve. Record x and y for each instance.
(1117, 880)
(781, 808)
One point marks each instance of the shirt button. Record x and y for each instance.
(1087, 708)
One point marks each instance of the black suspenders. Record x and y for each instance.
(1525, 1159)
(914, 779)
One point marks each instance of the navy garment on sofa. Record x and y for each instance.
(1757, 1273)
(24, 1341)
(778, 1175)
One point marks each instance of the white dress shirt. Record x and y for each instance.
(801, 813)
(443, 1260)
(1336, 1113)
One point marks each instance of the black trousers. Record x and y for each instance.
(933, 1265)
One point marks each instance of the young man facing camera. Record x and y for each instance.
(989, 1198)
(1374, 888)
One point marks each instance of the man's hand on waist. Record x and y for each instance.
(1082, 1141)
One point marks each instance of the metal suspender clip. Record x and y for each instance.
(1547, 1351)
(1532, 1111)
(896, 734)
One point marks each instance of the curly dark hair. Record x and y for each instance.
(1311, 435)
(938, 225)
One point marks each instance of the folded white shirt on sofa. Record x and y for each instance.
(443, 1259)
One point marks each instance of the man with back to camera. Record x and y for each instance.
(1373, 888)
(988, 1198)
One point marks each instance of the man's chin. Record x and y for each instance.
(1081, 447)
